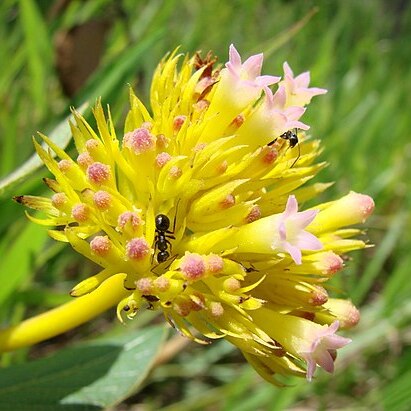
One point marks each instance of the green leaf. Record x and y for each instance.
(61, 135)
(17, 257)
(113, 75)
(36, 42)
(396, 395)
(89, 377)
(384, 250)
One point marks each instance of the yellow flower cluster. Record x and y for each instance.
(197, 206)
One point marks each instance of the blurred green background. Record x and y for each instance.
(57, 54)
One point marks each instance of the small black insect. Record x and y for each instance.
(163, 235)
(292, 138)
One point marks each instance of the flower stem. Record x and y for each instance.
(65, 317)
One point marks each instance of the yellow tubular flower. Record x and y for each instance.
(196, 205)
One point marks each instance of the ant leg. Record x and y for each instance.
(299, 155)
(175, 219)
(169, 243)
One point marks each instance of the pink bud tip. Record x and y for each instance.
(222, 167)
(98, 173)
(144, 285)
(64, 165)
(162, 284)
(139, 140)
(353, 318)
(199, 147)
(350, 316)
(147, 125)
(175, 172)
(201, 105)
(319, 296)
(365, 204)
(216, 309)
(193, 266)
(215, 263)
(137, 248)
(232, 285)
(178, 122)
(59, 200)
(238, 121)
(100, 245)
(84, 160)
(102, 200)
(332, 263)
(270, 154)
(228, 202)
(162, 159)
(92, 145)
(129, 218)
(254, 214)
(80, 212)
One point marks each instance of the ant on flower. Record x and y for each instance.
(163, 235)
(292, 138)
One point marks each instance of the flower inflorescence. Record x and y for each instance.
(197, 206)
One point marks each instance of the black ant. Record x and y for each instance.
(163, 235)
(292, 139)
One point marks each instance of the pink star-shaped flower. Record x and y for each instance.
(298, 92)
(285, 118)
(249, 71)
(292, 236)
(323, 349)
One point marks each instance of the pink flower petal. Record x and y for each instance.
(291, 236)
(325, 361)
(294, 112)
(253, 65)
(287, 69)
(308, 241)
(302, 80)
(280, 97)
(322, 348)
(311, 365)
(294, 252)
(267, 80)
(297, 124)
(303, 218)
(234, 57)
(291, 208)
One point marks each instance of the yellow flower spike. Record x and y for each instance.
(351, 209)
(91, 283)
(137, 115)
(214, 200)
(307, 193)
(268, 367)
(83, 247)
(323, 264)
(194, 211)
(49, 221)
(37, 203)
(65, 317)
(341, 246)
(338, 309)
